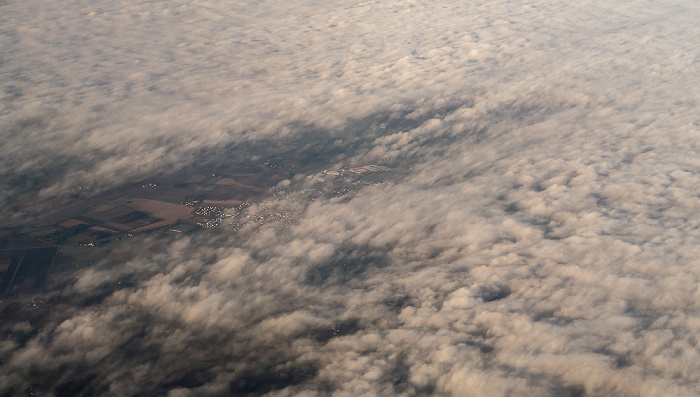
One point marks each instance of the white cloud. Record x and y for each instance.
(539, 236)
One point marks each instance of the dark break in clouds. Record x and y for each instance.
(538, 235)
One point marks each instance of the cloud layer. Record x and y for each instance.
(537, 237)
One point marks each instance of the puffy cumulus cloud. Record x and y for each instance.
(539, 236)
(95, 93)
(124, 88)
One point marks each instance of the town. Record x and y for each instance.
(61, 234)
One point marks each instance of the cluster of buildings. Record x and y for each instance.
(357, 170)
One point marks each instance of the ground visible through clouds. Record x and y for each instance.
(349, 198)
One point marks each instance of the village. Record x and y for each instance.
(68, 233)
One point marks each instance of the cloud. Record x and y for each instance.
(536, 235)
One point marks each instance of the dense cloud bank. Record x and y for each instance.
(94, 93)
(540, 239)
